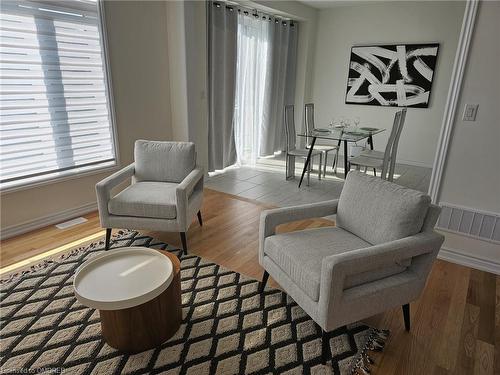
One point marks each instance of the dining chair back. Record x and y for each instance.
(291, 149)
(389, 146)
(325, 149)
(309, 120)
(395, 143)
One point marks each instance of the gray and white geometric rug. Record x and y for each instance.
(228, 327)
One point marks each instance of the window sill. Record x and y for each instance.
(61, 177)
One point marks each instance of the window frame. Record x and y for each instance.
(81, 172)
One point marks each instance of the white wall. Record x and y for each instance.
(187, 47)
(177, 69)
(195, 28)
(139, 64)
(341, 28)
(472, 173)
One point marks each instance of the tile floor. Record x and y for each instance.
(266, 182)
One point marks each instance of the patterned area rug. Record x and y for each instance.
(228, 327)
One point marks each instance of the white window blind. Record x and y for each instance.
(54, 102)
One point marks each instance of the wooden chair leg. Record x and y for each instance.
(184, 242)
(263, 283)
(406, 316)
(108, 238)
(200, 219)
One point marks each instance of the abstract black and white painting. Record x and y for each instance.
(392, 75)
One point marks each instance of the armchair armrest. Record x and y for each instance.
(270, 219)
(103, 187)
(369, 258)
(422, 248)
(184, 190)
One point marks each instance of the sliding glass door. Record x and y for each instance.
(252, 73)
(252, 60)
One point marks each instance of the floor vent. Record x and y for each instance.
(470, 222)
(71, 223)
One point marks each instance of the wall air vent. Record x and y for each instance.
(470, 222)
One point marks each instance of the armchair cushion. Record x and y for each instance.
(163, 161)
(380, 211)
(300, 255)
(146, 199)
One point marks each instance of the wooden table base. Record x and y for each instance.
(148, 325)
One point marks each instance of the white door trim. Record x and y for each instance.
(453, 97)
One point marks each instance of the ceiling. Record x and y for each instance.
(326, 4)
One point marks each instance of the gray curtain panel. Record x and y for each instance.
(222, 32)
(282, 91)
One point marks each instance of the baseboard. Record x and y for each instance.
(398, 161)
(414, 163)
(27, 226)
(457, 257)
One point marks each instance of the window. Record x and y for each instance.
(55, 112)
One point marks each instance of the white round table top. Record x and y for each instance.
(122, 278)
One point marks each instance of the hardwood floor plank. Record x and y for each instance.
(450, 337)
(468, 338)
(24, 246)
(474, 290)
(438, 370)
(429, 321)
(487, 301)
(483, 361)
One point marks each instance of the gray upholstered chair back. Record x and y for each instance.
(380, 211)
(309, 120)
(289, 115)
(431, 218)
(163, 161)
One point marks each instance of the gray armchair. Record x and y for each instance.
(166, 190)
(377, 257)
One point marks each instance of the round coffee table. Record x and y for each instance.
(137, 291)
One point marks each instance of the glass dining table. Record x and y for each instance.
(340, 135)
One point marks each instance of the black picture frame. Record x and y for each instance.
(376, 77)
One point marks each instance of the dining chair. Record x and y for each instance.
(291, 148)
(395, 133)
(325, 149)
(375, 163)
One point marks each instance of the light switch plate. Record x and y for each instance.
(470, 112)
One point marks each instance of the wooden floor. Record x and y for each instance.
(455, 323)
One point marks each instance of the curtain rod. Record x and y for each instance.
(254, 12)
